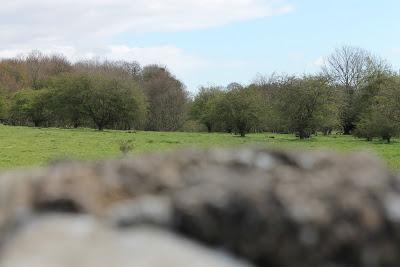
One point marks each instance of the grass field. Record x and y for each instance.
(23, 147)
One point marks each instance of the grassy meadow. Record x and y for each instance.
(25, 147)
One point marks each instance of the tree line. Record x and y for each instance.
(49, 91)
(354, 93)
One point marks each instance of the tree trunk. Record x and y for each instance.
(347, 129)
(303, 135)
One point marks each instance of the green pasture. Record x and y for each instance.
(25, 147)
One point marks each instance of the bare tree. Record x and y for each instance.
(35, 65)
(122, 70)
(167, 98)
(13, 74)
(41, 67)
(56, 64)
(347, 66)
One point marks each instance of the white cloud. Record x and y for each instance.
(67, 20)
(180, 62)
(68, 51)
(319, 62)
(86, 28)
(395, 51)
(173, 57)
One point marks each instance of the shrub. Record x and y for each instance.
(193, 126)
(31, 107)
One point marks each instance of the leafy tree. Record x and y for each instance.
(381, 118)
(114, 103)
(270, 89)
(375, 124)
(205, 107)
(328, 119)
(30, 107)
(305, 104)
(133, 109)
(241, 109)
(69, 97)
(3, 106)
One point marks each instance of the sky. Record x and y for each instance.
(203, 42)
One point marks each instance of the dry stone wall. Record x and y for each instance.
(243, 207)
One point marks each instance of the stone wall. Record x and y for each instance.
(200, 208)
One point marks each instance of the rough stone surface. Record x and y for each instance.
(80, 241)
(273, 208)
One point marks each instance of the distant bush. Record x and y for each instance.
(3, 108)
(241, 110)
(305, 106)
(206, 108)
(31, 107)
(377, 125)
(193, 126)
(381, 117)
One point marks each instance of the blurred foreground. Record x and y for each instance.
(204, 208)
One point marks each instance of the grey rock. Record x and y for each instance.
(273, 208)
(81, 241)
(150, 210)
(308, 209)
